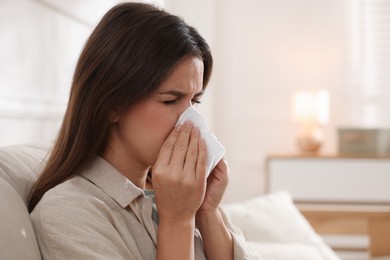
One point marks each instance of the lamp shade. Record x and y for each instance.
(311, 106)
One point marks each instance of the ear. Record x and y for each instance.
(114, 116)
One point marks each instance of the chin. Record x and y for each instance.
(151, 161)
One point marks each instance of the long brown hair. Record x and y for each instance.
(128, 55)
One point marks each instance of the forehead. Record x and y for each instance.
(186, 76)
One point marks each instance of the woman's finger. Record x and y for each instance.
(164, 157)
(181, 145)
(201, 164)
(192, 151)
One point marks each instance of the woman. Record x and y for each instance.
(139, 70)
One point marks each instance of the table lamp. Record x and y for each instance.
(311, 110)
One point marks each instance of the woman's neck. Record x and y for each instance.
(132, 170)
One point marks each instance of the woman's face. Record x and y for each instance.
(142, 130)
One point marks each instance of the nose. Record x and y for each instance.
(184, 108)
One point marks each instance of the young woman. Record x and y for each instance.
(139, 70)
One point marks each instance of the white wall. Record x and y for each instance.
(38, 51)
(40, 44)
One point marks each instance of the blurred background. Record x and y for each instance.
(268, 56)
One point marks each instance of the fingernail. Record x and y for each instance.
(177, 128)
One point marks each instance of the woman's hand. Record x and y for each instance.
(179, 175)
(217, 241)
(179, 181)
(217, 183)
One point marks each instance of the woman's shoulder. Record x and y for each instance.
(75, 219)
(76, 189)
(76, 197)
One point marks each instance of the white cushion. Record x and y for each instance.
(273, 218)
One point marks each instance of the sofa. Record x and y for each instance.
(18, 168)
(271, 223)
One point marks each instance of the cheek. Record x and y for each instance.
(158, 124)
(148, 126)
(163, 126)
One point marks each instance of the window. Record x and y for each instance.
(366, 97)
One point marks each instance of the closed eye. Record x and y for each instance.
(174, 97)
(170, 102)
(196, 101)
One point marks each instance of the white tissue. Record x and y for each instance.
(215, 150)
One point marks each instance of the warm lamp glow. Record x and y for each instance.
(311, 106)
(310, 109)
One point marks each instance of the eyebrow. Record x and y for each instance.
(179, 93)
